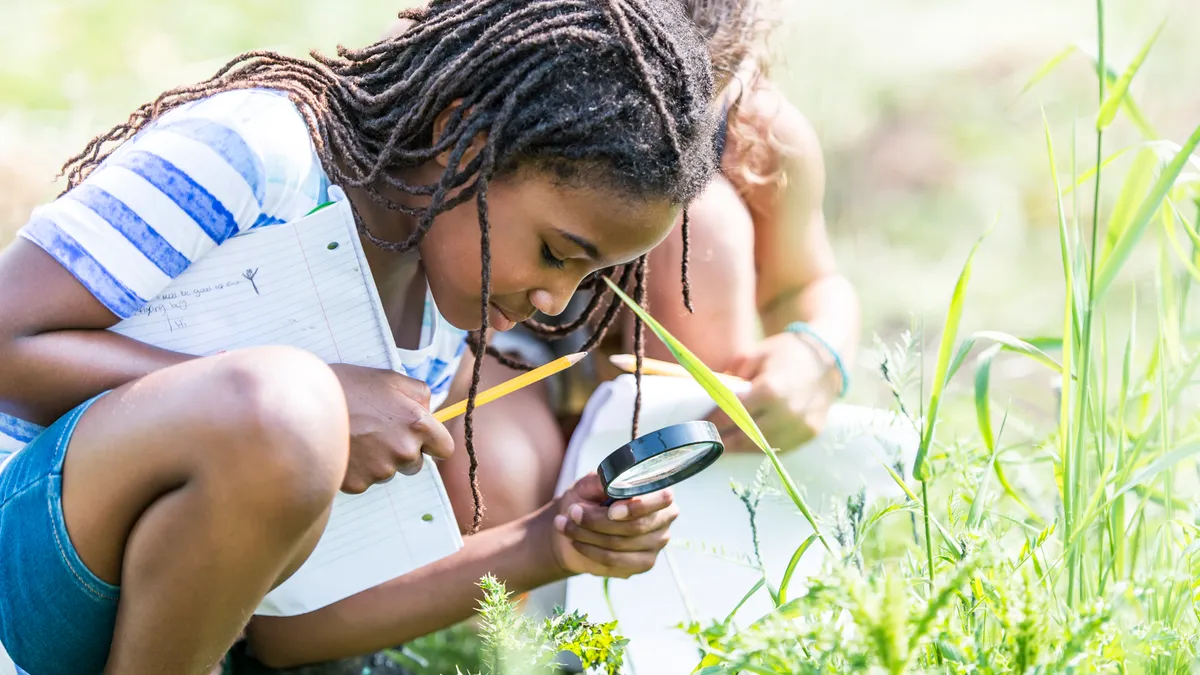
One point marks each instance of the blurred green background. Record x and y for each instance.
(918, 103)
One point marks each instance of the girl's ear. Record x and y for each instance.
(439, 128)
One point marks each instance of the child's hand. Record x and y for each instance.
(792, 386)
(610, 541)
(390, 426)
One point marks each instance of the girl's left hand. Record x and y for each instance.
(610, 541)
(793, 382)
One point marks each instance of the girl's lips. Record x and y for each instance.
(499, 320)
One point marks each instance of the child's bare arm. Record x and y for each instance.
(795, 377)
(798, 277)
(55, 351)
(574, 534)
(721, 276)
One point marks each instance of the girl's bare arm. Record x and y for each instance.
(55, 351)
(797, 273)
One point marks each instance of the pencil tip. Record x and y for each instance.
(576, 357)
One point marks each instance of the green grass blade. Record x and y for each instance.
(1137, 183)
(983, 416)
(1157, 497)
(1132, 110)
(1108, 111)
(1123, 476)
(727, 401)
(1087, 176)
(945, 350)
(1187, 224)
(1169, 216)
(1129, 239)
(1011, 491)
(1016, 344)
(1048, 67)
(946, 538)
(745, 598)
(1069, 341)
(960, 357)
(791, 567)
(1153, 469)
(983, 373)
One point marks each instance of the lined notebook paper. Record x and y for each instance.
(306, 284)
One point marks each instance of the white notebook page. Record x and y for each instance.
(306, 284)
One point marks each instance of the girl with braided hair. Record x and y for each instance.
(495, 155)
(758, 255)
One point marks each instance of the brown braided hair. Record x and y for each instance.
(633, 117)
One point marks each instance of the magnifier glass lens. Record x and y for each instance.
(660, 466)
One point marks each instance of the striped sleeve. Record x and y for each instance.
(186, 184)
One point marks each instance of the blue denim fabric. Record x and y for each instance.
(56, 617)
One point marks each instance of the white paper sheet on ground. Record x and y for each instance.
(846, 458)
(291, 285)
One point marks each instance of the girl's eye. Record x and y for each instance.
(548, 257)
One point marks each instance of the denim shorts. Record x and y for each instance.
(56, 617)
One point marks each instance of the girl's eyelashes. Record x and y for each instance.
(549, 258)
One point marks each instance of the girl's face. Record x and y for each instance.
(545, 238)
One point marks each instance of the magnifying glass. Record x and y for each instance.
(660, 459)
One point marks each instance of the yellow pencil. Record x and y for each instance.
(506, 388)
(628, 363)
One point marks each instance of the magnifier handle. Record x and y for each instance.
(610, 501)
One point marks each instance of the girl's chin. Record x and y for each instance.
(469, 320)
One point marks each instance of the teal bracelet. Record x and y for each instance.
(801, 328)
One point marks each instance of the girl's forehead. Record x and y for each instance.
(607, 225)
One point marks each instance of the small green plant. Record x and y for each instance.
(511, 643)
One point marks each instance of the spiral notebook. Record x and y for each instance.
(306, 284)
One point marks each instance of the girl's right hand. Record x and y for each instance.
(620, 540)
(391, 427)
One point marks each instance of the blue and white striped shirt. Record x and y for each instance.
(200, 174)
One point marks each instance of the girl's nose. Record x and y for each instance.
(551, 303)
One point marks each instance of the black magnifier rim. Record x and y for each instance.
(699, 432)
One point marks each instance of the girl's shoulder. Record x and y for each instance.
(187, 182)
(237, 106)
(262, 135)
(770, 139)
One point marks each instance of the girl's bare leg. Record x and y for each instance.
(199, 488)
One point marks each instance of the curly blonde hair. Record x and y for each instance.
(737, 32)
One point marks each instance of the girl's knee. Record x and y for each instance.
(281, 428)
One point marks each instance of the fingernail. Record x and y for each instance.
(560, 523)
(576, 513)
(618, 512)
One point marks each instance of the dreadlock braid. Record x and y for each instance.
(635, 119)
(687, 285)
(639, 339)
(485, 252)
